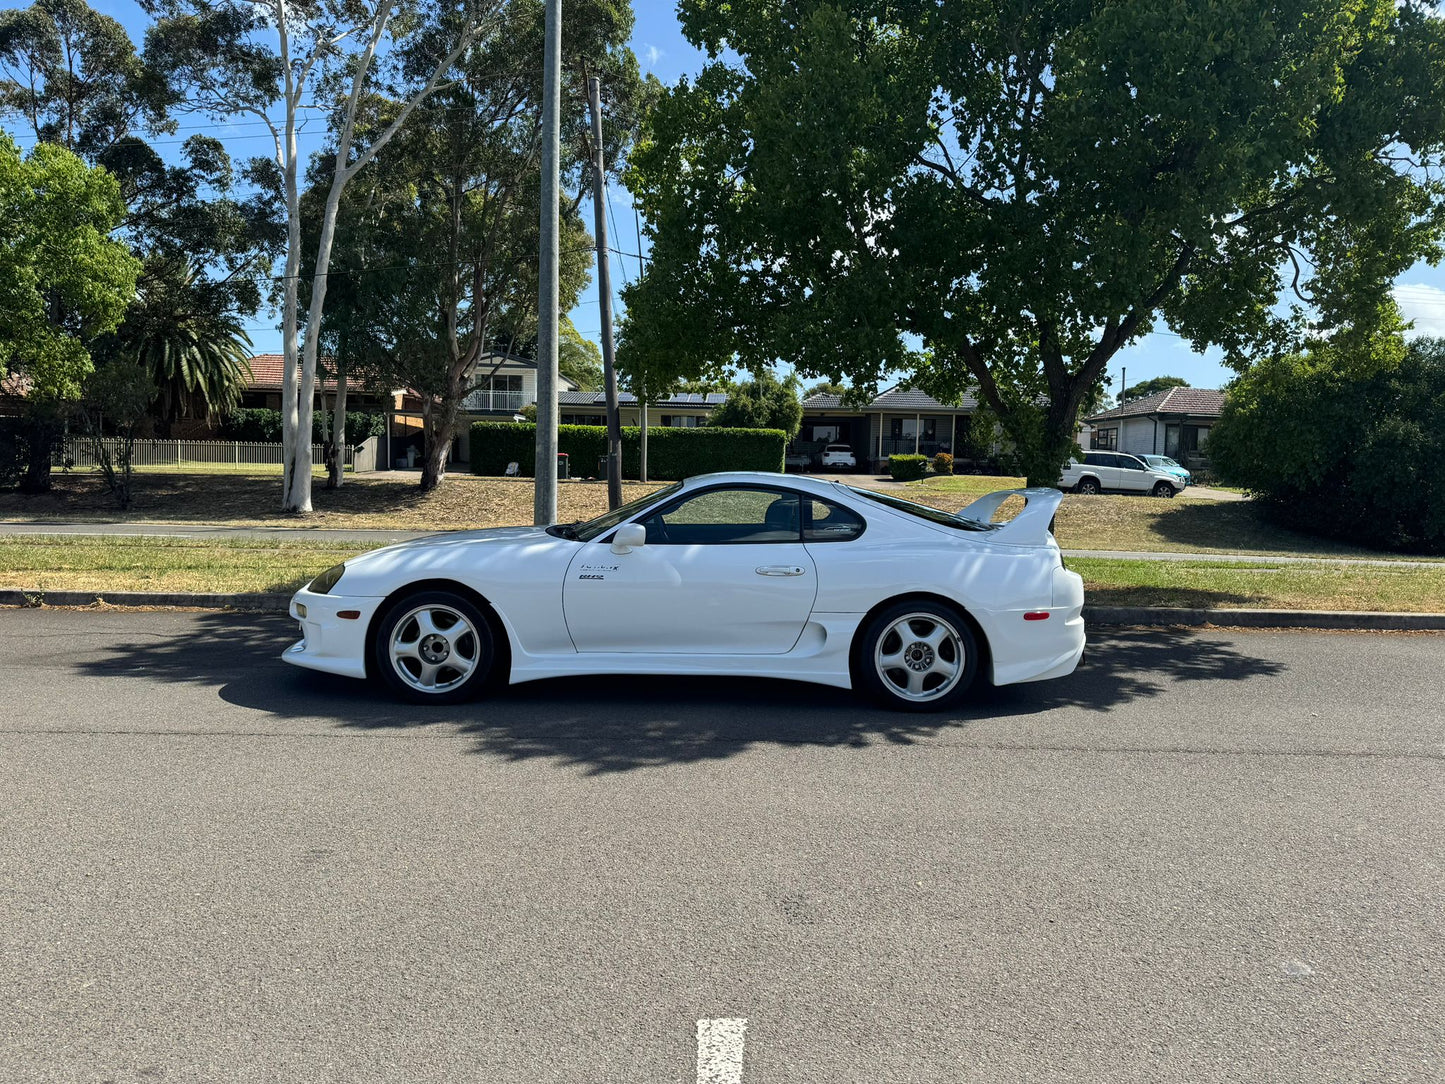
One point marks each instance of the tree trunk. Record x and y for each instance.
(336, 444)
(439, 428)
(41, 433)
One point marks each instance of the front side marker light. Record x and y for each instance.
(301, 609)
(1037, 615)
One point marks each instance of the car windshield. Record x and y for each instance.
(922, 511)
(586, 532)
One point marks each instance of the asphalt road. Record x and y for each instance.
(1205, 857)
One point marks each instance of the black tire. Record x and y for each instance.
(1089, 486)
(455, 630)
(1164, 489)
(918, 654)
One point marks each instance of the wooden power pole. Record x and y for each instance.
(604, 298)
(544, 499)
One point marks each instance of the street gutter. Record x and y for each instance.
(1094, 616)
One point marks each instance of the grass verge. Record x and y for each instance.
(206, 565)
(46, 563)
(1313, 586)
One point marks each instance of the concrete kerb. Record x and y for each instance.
(1095, 616)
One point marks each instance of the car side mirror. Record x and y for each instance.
(628, 537)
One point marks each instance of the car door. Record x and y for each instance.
(1103, 464)
(723, 571)
(1133, 475)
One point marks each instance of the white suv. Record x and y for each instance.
(1117, 472)
(838, 457)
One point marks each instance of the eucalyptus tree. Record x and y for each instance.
(271, 60)
(451, 218)
(1023, 190)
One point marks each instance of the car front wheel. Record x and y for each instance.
(917, 656)
(1163, 489)
(434, 647)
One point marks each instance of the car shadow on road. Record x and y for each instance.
(605, 724)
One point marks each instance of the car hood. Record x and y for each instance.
(443, 540)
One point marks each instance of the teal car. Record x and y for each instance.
(1168, 466)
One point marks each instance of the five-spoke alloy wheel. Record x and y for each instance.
(434, 647)
(917, 656)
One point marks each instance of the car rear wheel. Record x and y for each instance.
(434, 647)
(1088, 485)
(917, 656)
(1163, 489)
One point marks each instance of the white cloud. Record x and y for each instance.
(653, 55)
(1424, 306)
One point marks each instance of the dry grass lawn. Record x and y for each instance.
(76, 563)
(1131, 523)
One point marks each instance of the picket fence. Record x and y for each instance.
(190, 454)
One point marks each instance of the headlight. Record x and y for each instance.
(323, 583)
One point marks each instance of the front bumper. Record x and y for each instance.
(329, 642)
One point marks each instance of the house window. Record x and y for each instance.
(828, 434)
(497, 393)
(1106, 439)
(581, 419)
(681, 421)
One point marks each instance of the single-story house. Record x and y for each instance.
(1174, 422)
(685, 410)
(900, 421)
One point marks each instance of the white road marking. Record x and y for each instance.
(720, 1050)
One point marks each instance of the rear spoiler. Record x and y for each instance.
(1030, 527)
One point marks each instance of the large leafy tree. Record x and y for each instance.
(63, 279)
(72, 76)
(764, 402)
(1153, 384)
(1025, 189)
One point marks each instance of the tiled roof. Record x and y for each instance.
(696, 400)
(1205, 402)
(267, 369)
(901, 399)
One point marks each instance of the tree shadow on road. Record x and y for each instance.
(620, 723)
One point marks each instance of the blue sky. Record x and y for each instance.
(662, 50)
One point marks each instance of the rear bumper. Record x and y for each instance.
(1028, 648)
(329, 643)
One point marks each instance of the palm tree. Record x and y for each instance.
(194, 350)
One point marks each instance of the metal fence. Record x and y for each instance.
(80, 453)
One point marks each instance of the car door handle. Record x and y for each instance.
(779, 570)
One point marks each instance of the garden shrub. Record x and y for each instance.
(907, 468)
(943, 463)
(1352, 451)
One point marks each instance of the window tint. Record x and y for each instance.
(829, 522)
(727, 516)
(1128, 462)
(1096, 459)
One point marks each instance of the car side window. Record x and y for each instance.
(727, 517)
(824, 521)
(1094, 459)
(1128, 462)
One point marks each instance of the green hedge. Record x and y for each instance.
(671, 453)
(907, 468)
(263, 425)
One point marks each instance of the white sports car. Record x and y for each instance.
(745, 575)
